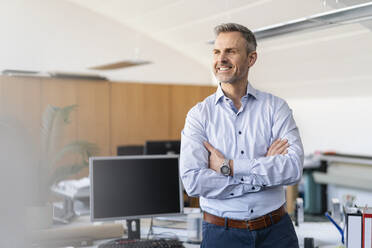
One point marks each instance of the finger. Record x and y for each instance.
(282, 149)
(272, 146)
(278, 146)
(275, 143)
(282, 144)
(284, 141)
(285, 152)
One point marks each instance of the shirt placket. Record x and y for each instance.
(239, 132)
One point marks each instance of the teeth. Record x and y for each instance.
(224, 69)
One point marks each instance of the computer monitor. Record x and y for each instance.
(162, 147)
(132, 187)
(130, 150)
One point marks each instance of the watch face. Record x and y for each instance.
(225, 170)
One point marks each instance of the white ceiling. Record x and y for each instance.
(173, 34)
(186, 25)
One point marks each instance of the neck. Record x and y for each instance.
(235, 91)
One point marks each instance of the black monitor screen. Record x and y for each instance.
(134, 186)
(162, 147)
(130, 150)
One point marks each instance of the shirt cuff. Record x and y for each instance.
(242, 168)
(242, 173)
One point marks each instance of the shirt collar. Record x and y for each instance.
(250, 91)
(219, 93)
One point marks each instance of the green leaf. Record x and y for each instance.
(83, 148)
(65, 112)
(53, 121)
(47, 125)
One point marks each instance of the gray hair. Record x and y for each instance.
(234, 27)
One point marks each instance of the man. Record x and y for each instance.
(239, 147)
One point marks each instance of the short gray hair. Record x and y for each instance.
(234, 27)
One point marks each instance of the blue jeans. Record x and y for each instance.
(281, 234)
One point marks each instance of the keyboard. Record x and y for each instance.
(142, 243)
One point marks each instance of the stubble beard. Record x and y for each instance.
(230, 80)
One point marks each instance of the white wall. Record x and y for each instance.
(340, 124)
(336, 117)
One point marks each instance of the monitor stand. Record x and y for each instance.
(134, 229)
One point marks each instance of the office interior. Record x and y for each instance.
(51, 52)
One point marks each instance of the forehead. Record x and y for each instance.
(229, 40)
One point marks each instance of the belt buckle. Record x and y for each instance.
(247, 224)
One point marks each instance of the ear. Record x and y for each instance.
(252, 57)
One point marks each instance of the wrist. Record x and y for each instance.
(225, 167)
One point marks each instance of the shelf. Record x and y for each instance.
(343, 180)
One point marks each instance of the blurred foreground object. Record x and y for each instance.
(77, 235)
(17, 164)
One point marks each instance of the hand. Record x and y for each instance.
(278, 147)
(215, 158)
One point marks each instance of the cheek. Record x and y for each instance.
(243, 65)
(214, 63)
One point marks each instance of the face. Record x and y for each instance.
(230, 59)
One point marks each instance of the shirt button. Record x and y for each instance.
(242, 179)
(226, 99)
(242, 152)
(240, 132)
(253, 188)
(232, 194)
(251, 210)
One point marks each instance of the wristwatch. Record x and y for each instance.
(225, 168)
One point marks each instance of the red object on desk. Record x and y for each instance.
(367, 230)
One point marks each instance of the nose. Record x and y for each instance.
(222, 58)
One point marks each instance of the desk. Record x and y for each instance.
(84, 221)
(324, 233)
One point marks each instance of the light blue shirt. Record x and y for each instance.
(243, 135)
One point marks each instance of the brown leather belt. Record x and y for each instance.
(258, 223)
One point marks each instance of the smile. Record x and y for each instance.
(223, 68)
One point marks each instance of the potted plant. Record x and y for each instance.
(54, 120)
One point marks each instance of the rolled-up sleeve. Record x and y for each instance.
(279, 169)
(197, 178)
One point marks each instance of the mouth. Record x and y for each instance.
(224, 68)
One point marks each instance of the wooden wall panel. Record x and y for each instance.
(20, 98)
(126, 124)
(156, 112)
(206, 91)
(93, 118)
(109, 114)
(183, 98)
(139, 112)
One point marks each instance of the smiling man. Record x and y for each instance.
(239, 147)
